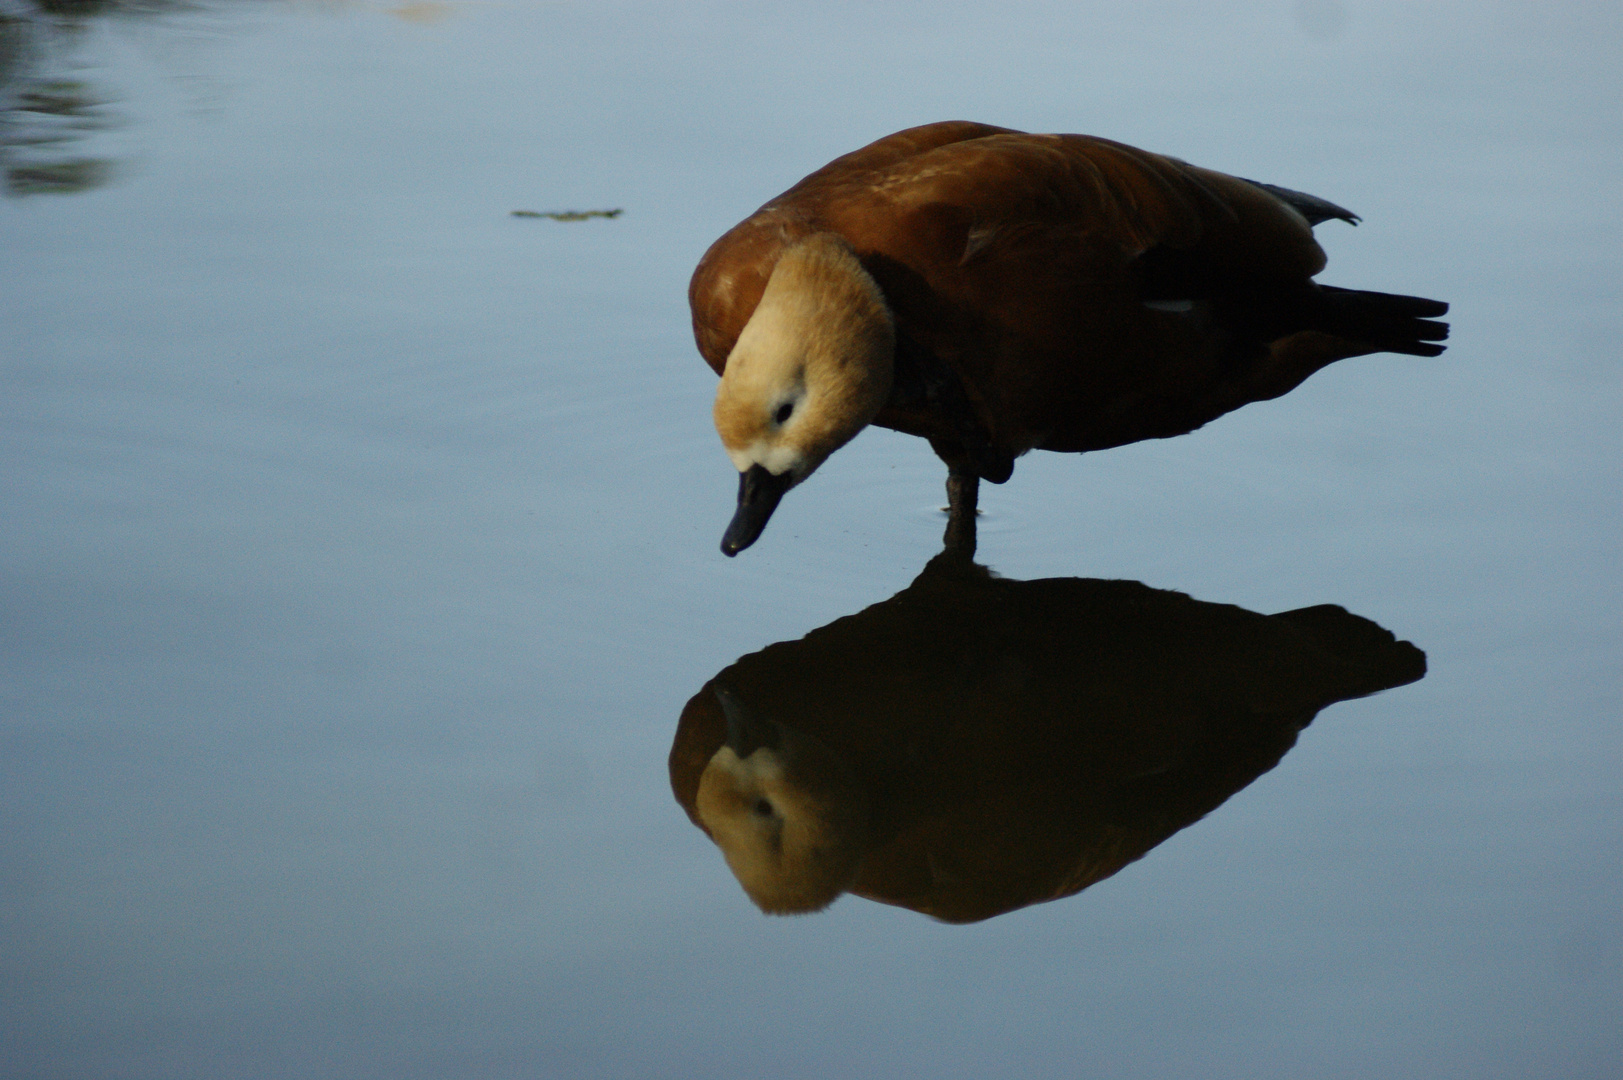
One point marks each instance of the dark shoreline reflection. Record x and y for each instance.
(46, 107)
(976, 744)
(52, 101)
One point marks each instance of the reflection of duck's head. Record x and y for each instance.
(785, 812)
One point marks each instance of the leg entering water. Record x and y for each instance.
(963, 491)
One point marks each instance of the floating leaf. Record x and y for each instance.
(569, 215)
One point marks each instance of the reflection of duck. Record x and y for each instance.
(973, 744)
(997, 292)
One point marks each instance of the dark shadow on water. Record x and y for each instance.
(976, 744)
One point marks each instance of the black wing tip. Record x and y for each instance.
(1315, 209)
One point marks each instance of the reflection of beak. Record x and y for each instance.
(745, 734)
(758, 495)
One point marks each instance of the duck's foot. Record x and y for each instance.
(963, 491)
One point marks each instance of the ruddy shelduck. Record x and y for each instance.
(997, 292)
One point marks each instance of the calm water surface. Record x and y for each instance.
(358, 548)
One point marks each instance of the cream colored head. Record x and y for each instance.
(813, 365)
(790, 822)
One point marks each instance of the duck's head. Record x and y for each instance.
(812, 368)
(785, 812)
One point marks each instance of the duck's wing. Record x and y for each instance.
(1312, 207)
(1053, 274)
(993, 204)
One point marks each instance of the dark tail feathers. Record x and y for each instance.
(1370, 657)
(1391, 323)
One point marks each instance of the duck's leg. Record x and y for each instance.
(963, 492)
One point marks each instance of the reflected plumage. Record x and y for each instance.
(974, 744)
(997, 292)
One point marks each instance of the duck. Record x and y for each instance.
(997, 292)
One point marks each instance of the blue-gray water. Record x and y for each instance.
(358, 549)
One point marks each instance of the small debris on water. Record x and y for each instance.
(569, 215)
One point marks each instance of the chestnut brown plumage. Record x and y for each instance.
(997, 292)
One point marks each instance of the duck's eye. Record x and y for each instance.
(763, 808)
(784, 410)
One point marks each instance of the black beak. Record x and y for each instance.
(758, 495)
(745, 734)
